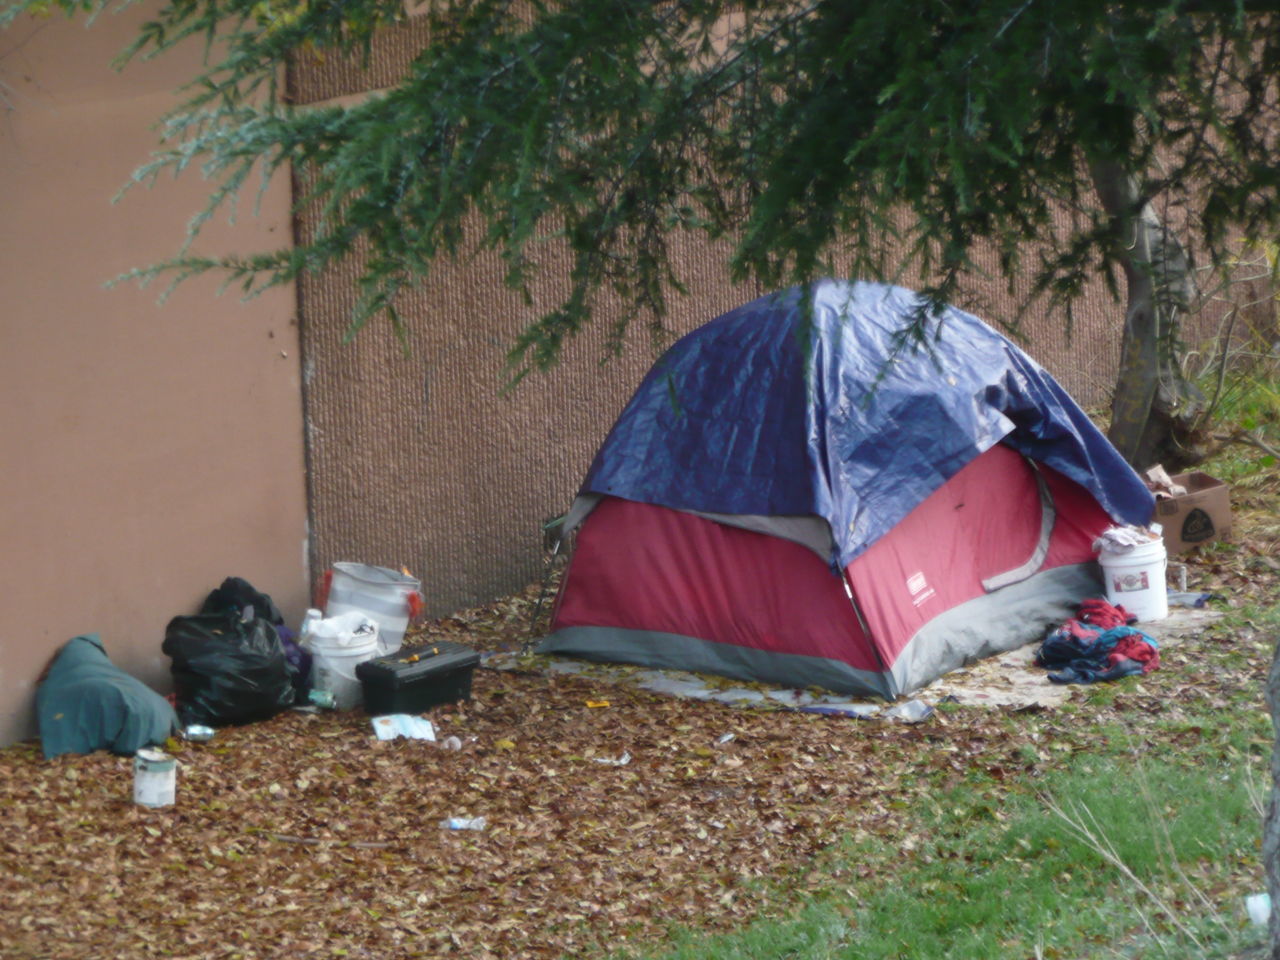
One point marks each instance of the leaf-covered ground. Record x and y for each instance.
(305, 836)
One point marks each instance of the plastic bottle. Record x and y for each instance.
(464, 823)
(308, 619)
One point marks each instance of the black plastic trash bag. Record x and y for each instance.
(87, 703)
(227, 670)
(235, 596)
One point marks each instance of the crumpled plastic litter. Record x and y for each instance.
(621, 761)
(912, 711)
(343, 630)
(394, 725)
(1259, 907)
(464, 823)
(1179, 598)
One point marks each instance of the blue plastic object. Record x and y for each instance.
(781, 408)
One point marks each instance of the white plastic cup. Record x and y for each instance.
(309, 620)
(1259, 907)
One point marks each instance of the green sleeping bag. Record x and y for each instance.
(86, 703)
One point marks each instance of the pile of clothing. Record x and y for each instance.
(1100, 644)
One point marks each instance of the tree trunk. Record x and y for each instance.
(1271, 825)
(1154, 410)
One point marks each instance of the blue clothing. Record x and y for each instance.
(1081, 655)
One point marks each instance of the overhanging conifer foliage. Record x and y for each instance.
(873, 137)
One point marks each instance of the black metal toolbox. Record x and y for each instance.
(416, 678)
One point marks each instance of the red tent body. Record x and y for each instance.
(667, 588)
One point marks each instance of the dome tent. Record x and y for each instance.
(793, 497)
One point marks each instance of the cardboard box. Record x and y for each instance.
(1201, 515)
(417, 678)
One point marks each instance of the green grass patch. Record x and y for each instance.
(1141, 844)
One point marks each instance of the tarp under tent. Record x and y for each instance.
(796, 496)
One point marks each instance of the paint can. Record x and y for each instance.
(1135, 579)
(155, 776)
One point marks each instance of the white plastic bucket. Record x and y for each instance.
(338, 645)
(377, 592)
(1136, 579)
(155, 778)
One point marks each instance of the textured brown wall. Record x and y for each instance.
(148, 451)
(420, 460)
(417, 460)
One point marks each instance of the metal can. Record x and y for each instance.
(155, 776)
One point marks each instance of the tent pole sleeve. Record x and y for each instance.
(866, 632)
(1048, 516)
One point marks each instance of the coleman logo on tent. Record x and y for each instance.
(919, 587)
(1197, 527)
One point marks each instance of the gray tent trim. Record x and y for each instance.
(804, 529)
(673, 651)
(994, 623)
(1048, 517)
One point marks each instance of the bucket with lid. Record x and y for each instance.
(1135, 579)
(386, 595)
(338, 645)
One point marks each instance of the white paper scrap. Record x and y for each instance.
(622, 761)
(403, 725)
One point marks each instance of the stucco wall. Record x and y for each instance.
(148, 451)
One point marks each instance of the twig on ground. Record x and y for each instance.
(317, 842)
(1249, 438)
